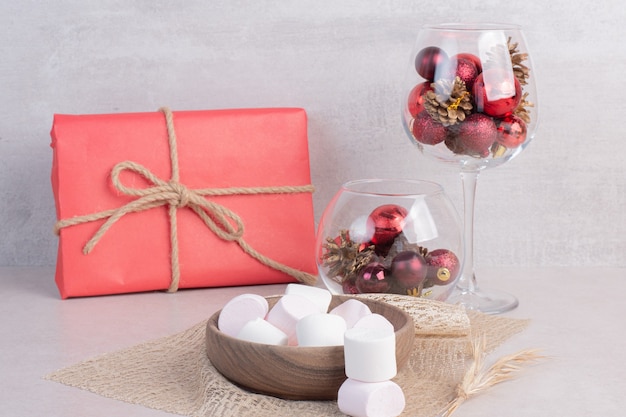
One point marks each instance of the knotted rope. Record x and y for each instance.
(222, 221)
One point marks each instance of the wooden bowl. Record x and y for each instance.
(292, 372)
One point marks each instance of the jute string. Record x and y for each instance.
(223, 222)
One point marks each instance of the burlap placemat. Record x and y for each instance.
(173, 374)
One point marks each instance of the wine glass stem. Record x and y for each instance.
(467, 282)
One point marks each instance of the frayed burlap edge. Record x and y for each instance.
(173, 374)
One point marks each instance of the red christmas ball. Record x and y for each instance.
(511, 131)
(408, 269)
(388, 222)
(466, 70)
(443, 266)
(497, 92)
(429, 61)
(428, 131)
(416, 98)
(476, 134)
(471, 57)
(374, 278)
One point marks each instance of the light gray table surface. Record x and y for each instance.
(578, 318)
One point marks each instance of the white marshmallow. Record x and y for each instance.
(362, 399)
(240, 310)
(375, 321)
(260, 331)
(321, 329)
(287, 311)
(352, 311)
(319, 296)
(370, 354)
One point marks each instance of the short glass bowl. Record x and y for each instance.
(391, 236)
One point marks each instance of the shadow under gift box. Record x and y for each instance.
(216, 149)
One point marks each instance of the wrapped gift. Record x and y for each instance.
(168, 200)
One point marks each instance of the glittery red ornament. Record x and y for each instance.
(496, 92)
(388, 223)
(374, 278)
(428, 131)
(466, 70)
(471, 57)
(408, 269)
(511, 131)
(416, 98)
(443, 266)
(429, 61)
(476, 134)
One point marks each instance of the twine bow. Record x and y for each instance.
(222, 221)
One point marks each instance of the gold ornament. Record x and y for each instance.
(449, 101)
(414, 292)
(443, 274)
(497, 150)
(417, 291)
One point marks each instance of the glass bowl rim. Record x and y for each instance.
(420, 187)
(472, 27)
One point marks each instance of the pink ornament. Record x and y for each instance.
(476, 134)
(511, 131)
(416, 98)
(429, 61)
(466, 70)
(496, 92)
(428, 131)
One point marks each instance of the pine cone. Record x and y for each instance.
(344, 257)
(448, 102)
(521, 110)
(521, 71)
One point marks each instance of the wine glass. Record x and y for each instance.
(390, 236)
(470, 100)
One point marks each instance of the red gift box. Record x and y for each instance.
(154, 201)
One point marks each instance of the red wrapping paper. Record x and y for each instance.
(216, 149)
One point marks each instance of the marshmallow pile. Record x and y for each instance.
(301, 317)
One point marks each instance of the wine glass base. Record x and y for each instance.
(485, 301)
